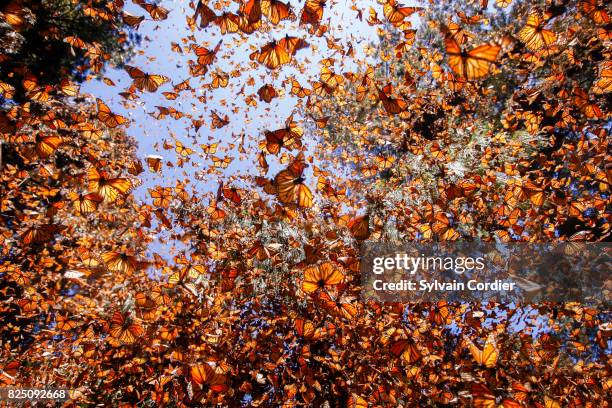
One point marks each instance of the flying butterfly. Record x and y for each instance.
(487, 356)
(156, 12)
(205, 14)
(106, 116)
(145, 81)
(471, 65)
(276, 11)
(84, 204)
(391, 105)
(120, 262)
(595, 11)
(110, 189)
(320, 277)
(396, 13)
(266, 93)
(290, 185)
(124, 329)
(217, 121)
(534, 35)
(46, 145)
(204, 374)
(312, 13)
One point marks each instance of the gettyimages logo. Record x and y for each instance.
(476, 271)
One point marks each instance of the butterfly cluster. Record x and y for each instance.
(221, 267)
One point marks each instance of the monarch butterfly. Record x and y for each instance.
(292, 44)
(535, 193)
(209, 148)
(227, 22)
(145, 81)
(161, 295)
(288, 137)
(206, 56)
(290, 186)
(205, 13)
(534, 35)
(221, 162)
(321, 122)
(193, 270)
(298, 90)
(132, 20)
(252, 10)
(156, 12)
(396, 13)
(8, 372)
(551, 402)
(215, 212)
(13, 14)
(46, 145)
(384, 162)
(454, 84)
(360, 227)
(442, 227)
(65, 324)
(440, 313)
(487, 356)
(76, 42)
(182, 150)
(582, 102)
(120, 262)
(34, 91)
(304, 328)
(484, 398)
(272, 55)
(204, 374)
(40, 233)
(470, 20)
(123, 329)
(373, 17)
(391, 105)
(6, 90)
(471, 65)
(69, 88)
(219, 79)
(342, 306)
(217, 121)
(312, 13)
(407, 349)
(457, 33)
(604, 82)
(162, 196)
(107, 117)
(357, 401)
(322, 89)
(154, 163)
(266, 93)
(232, 194)
(31, 304)
(276, 10)
(331, 78)
(108, 188)
(320, 277)
(178, 277)
(595, 11)
(84, 204)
